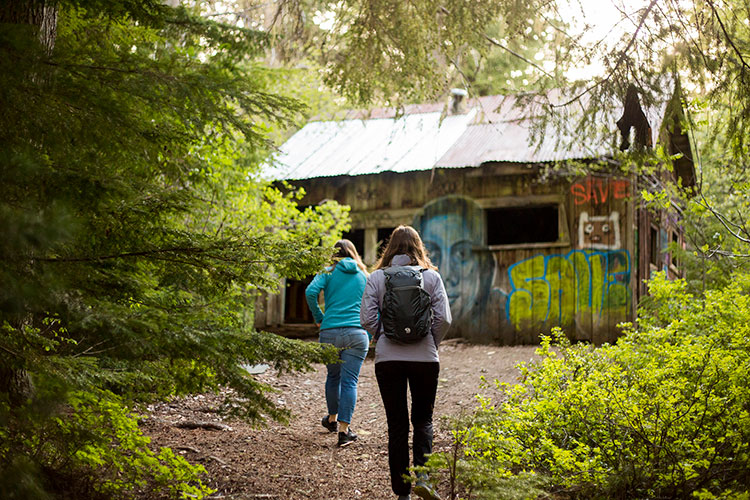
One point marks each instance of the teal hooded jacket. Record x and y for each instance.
(342, 288)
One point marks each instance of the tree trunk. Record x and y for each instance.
(43, 16)
(37, 13)
(17, 384)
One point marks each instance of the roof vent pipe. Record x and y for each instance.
(457, 98)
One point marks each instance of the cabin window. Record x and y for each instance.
(356, 236)
(384, 234)
(516, 225)
(654, 250)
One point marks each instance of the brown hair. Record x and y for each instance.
(405, 240)
(346, 248)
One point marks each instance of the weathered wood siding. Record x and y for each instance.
(584, 281)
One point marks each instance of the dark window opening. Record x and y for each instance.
(295, 304)
(675, 248)
(356, 236)
(514, 225)
(654, 249)
(384, 234)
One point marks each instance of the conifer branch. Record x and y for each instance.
(620, 59)
(516, 54)
(726, 34)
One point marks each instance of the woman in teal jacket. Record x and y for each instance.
(342, 285)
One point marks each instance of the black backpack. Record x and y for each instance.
(407, 311)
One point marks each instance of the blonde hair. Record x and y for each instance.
(347, 249)
(405, 240)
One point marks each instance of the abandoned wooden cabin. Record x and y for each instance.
(520, 249)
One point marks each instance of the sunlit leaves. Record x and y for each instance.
(663, 412)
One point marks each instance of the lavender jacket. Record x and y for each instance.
(425, 350)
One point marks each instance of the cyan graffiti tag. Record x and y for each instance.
(558, 289)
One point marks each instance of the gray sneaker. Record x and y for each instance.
(404, 497)
(346, 438)
(424, 490)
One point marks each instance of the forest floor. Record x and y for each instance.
(301, 460)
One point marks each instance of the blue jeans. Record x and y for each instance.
(341, 383)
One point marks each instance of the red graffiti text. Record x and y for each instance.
(597, 191)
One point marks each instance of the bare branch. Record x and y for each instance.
(731, 255)
(10, 351)
(90, 350)
(516, 54)
(724, 221)
(159, 254)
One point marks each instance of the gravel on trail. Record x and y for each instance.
(301, 460)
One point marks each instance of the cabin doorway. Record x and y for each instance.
(384, 235)
(295, 304)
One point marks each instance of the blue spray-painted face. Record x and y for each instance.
(450, 242)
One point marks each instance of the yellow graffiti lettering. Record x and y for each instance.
(581, 286)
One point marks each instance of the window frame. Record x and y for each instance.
(654, 247)
(563, 236)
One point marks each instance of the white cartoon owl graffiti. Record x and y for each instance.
(599, 231)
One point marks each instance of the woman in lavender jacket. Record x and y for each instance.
(398, 365)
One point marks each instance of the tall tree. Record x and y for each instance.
(136, 233)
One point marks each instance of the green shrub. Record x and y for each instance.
(93, 449)
(664, 413)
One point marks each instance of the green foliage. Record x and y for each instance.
(404, 52)
(97, 451)
(662, 414)
(515, 60)
(136, 233)
(478, 478)
(393, 52)
(715, 220)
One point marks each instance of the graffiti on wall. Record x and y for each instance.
(557, 289)
(588, 286)
(597, 190)
(599, 231)
(452, 228)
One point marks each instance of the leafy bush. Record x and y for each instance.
(664, 413)
(96, 450)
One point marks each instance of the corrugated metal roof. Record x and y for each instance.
(492, 129)
(509, 142)
(356, 147)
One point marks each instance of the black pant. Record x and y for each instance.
(422, 379)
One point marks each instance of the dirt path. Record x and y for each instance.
(302, 461)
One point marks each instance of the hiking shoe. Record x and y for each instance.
(424, 490)
(331, 426)
(346, 438)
